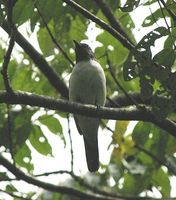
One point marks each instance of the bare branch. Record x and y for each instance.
(71, 145)
(144, 114)
(14, 195)
(9, 134)
(111, 18)
(6, 63)
(61, 189)
(101, 23)
(117, 82)
(53, 38)
(157, 159)
(169, 11)
(42, 64)
(12, 34)
(51, 187)
(168, 28)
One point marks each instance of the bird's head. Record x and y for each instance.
(83, 52)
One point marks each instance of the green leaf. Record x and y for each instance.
(130, 5)
(141, 133)
(49, 9)
(171, 161)
(145, 159)
(23, 158)
(22, 126)
(78, 29)
(162, 106)
(3, 176)
(169, 42)
(45, 42)
(146, 88)
(154, 17)
(52, 123)
(10, 188)
(161, 180)
(39, 141)
(135, 184)
(114, 5)
(149, 39)
(162, 57)
(171, 5)
(149, 2)
(140, 63)
(129, 185)
(22, 11)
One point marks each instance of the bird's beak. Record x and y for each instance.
(76, 43)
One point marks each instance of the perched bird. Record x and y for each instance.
(87, 85)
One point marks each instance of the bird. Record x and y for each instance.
(87, 85)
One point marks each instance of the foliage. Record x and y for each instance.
(138, 157)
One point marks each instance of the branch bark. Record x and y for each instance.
(111, 18)
(42, 64)
(100, 22)
(51, 187)
(168, 10)
(122, 100)
(88, 110)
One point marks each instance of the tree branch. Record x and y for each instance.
(71, 144)
(42, 64)
(100, 22)
(6, 63)
(111, 18)
(121, 100)
(168, 10)
(160, 161)
(167, 25)
(62, 189)
(14, 195)
(86, 185)
(88, 110)
(52, 37)
(50, 187)
(118, 83)
(9, 6)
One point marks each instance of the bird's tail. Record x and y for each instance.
(92, 155)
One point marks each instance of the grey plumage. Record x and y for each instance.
(87, 85)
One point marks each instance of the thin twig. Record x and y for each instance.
(168, 28)
(169, 11)
(154, 19)
(107, 127)
(10, 138)
(7, 56)
(101, 23)
(14, 195)
(71, 145)
(51, 187)
(52, 37)
(54, 79)
(92, 188)
(113, 102)
(6, 63)
(111, 18)
(117, 82)
(154, 157)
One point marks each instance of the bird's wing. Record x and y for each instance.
(77, 125)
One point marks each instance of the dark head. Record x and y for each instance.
(83, 52)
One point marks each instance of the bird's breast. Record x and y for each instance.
(86, 81)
